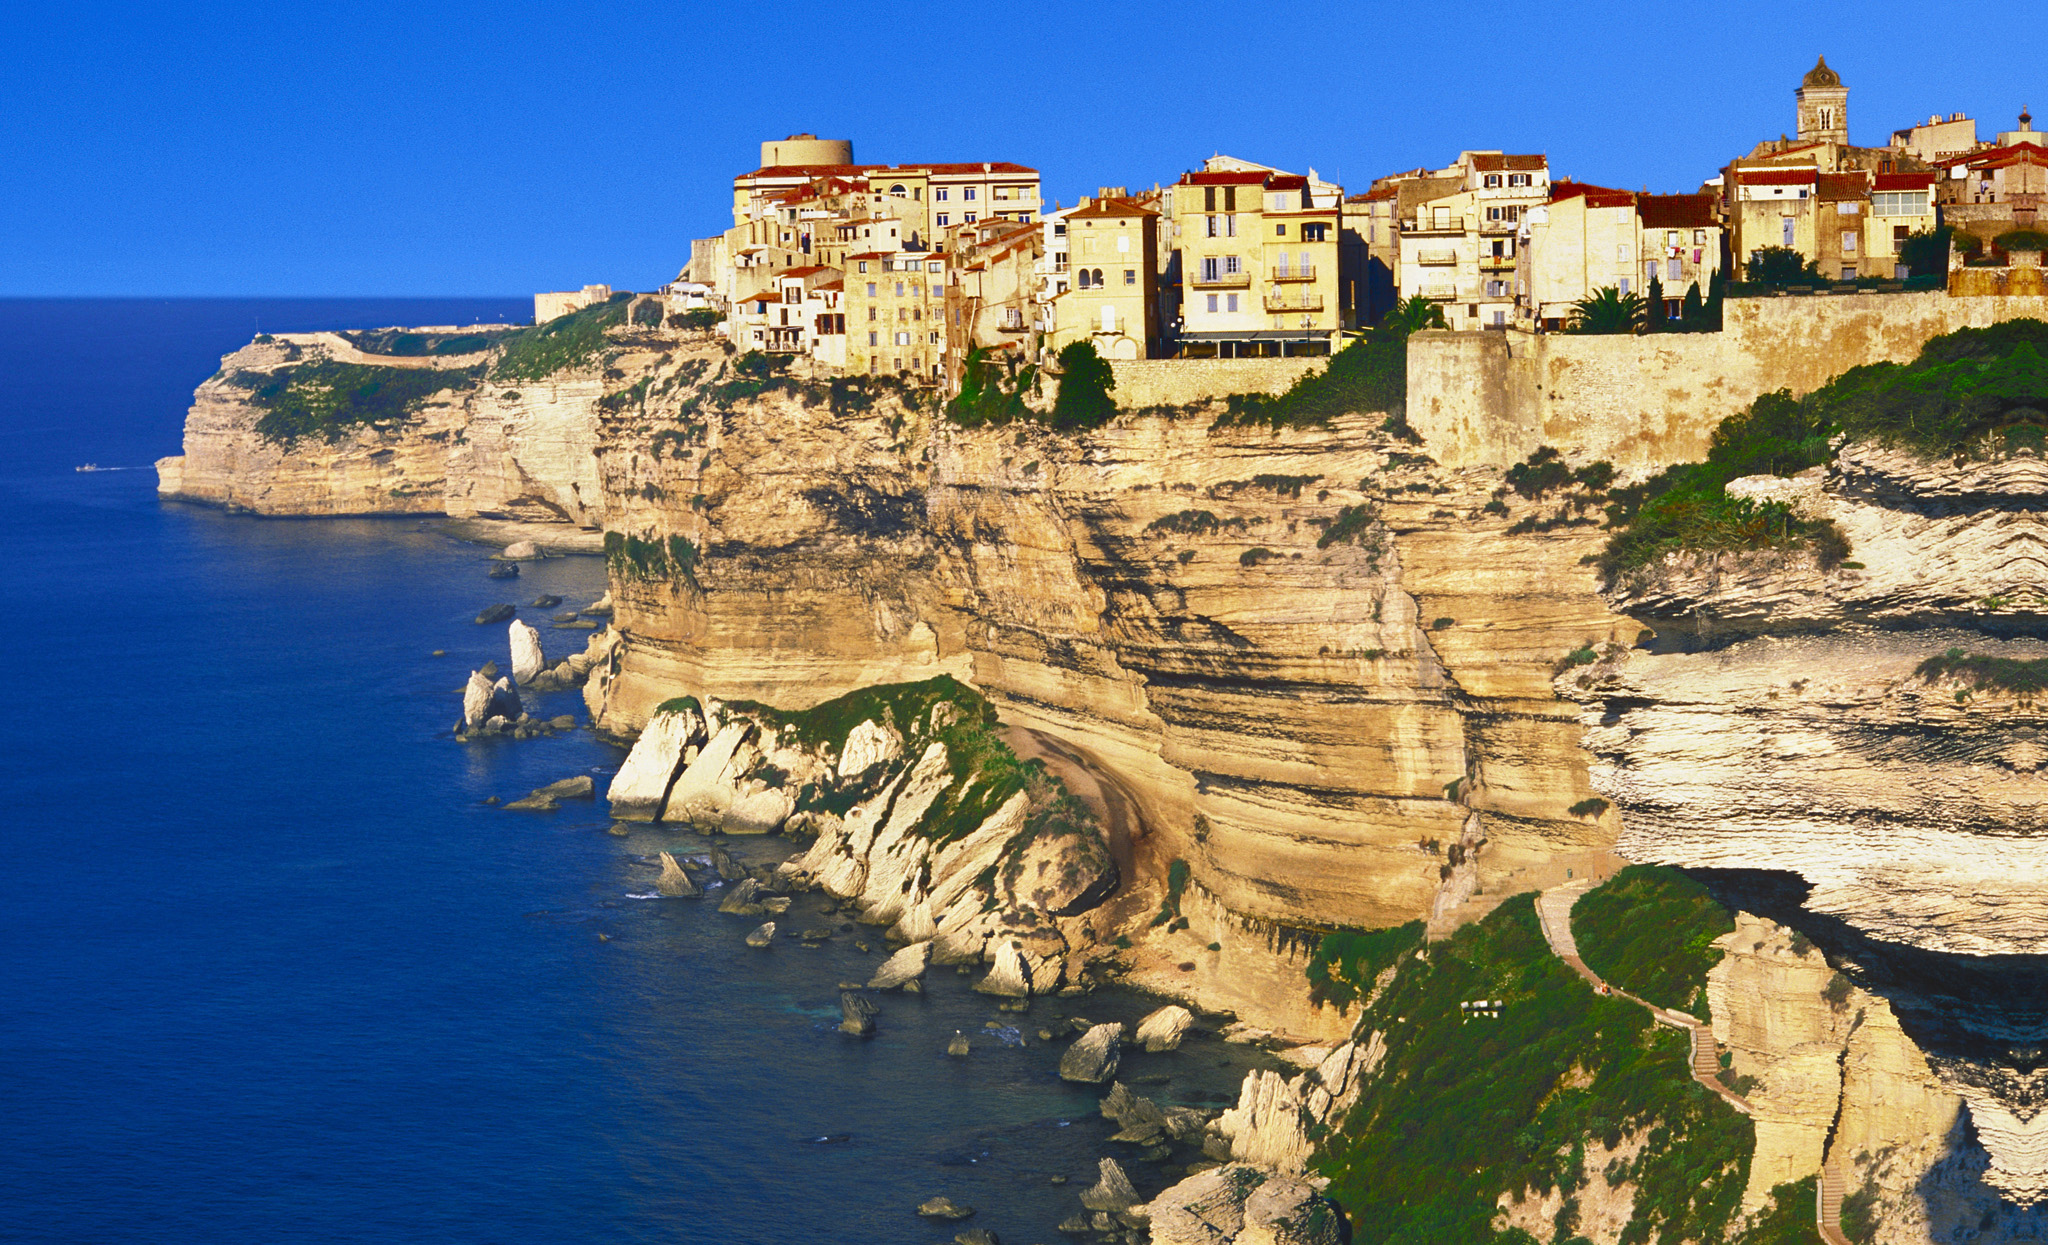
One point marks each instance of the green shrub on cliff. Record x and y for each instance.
(991, 392)
(1342, 967)
(1084, 399)
(1463, 1110)
(326, 399)
(2007, 674)
(1650, 930)
(629, 557)
(1369, 374)
(572, 340)
(1975, 392)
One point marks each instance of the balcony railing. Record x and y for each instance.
(1279, 304)
(1219, 280)
(1496, 261)
(1436, 256)
(1307, 272)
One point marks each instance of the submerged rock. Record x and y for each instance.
(546, 601)
(527, 660)
(959, 1046)
(673, 881)
(1093, 1057)
(763, 936)
(521, 550)
(504, 570)
(977, 1236)
(857, 1013)
(578, 788)
(496, 613)
(1163, 1029)
(942, 1207)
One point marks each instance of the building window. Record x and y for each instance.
(1493, 181)
(1848, 274)
(1649, 271)
(1215, 229)
(1212, 302)
(871, 288)
(874, 338)
(944, 219)
(864, 268)
(902, 339)
(1621, 253)
(1081, 278)
(1232, 265)
(1624, 285)
(939, 195)
(1208, 198)
(1230, 303)
(1230, 198)
(933, 265)
(1899, 203)
(1280, 230)
(1130, 276)
(1520, 179)
(968, 194)
(1098, 278)
(968, 217)
(1791, 226)
(1209, 271)
(1672, 269)
(872, 314)
(1848, 242)
(1699, 236)
(1315, 233)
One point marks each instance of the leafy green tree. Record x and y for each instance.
(1780, 266)
(1653, 308)
(1607, 310)
(1692, 313)
(1085, 382)
(1413, 313)
(989, 393)
(1925, 254)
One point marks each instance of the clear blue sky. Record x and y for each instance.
(451, 147)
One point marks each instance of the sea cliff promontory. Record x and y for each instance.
(1338, 708)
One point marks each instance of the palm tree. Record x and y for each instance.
(1607, 310)
(1412, 313)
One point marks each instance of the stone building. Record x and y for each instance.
(2001, 187)
(991, 282)
(895, 306)
(1459, 234)
(1257, 252)
(1589, 237)
(1823, 104)
(1112, 297)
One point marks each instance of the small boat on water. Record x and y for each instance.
(90, 467)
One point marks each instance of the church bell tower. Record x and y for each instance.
(1823, 105)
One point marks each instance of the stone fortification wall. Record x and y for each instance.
(1179, 382)
(1489, 398)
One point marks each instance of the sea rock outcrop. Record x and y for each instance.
(1093, 1057)
(673, 881)
(527, 660)
(1243, 1205)
(1163, 1029)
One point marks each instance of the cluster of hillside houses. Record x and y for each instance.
(903, 269)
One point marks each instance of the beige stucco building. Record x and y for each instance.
(1257, 255)
(895, 314)
(1459, 234)
(1112, 296)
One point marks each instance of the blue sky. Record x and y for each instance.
(472, 148)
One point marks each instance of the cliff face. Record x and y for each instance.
(1316, 669)
(517, 450)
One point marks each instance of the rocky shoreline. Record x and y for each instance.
(902, 863)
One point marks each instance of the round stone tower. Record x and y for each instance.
(801, 149)
(1823, 105)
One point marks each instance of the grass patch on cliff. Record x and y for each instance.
(671, 560)
(1650, 930)
(1979, 393)
(564, 342)
(1465, 1109)
(2005, 674)
(327, 399)
(1369, 374)
(1343, 965)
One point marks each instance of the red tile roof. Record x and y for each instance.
(1676, 211)
(1839, 187)
(1515, 164)
(1224, 179)
(1905, 181)
(1804, 175)
(2000, 157)
(1120, 208)
(804, 271)
(1595, 196)
(959, 169)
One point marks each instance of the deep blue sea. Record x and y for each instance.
(270, 969)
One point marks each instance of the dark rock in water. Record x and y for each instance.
(497, 613)
(729, 870)
(1059, 1179)
(563, 722)
(740, 901)
(534, 803)
(673, 881)
(581, 624)
(1139, 1120)
(943, 1208)
(1092, 1059)
(546, 601)
(619, 829)
(857, 1013)
(504, 570)
(776, 905)
(977, 1236)
(489, 670)
(564, 618)
(816, 935)
(1075, 1225)
(763, 936)
(959, 1046)
(1112, 1191)
(578, 788)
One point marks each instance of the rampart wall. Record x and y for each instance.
(1490, 397)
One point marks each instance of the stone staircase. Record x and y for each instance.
(1828, 1205)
